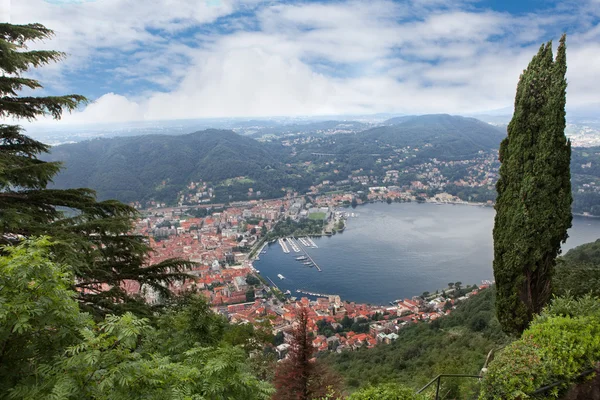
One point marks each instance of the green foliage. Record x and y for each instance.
(39, 315)
(93, 238)
(587, 253)
(49, 349)
(424, 350)
(14, 60)
(560, 344)
(186, 323)
(386, 392)
(578, 271)
(289, 227)
(111, 362)
(159, 166)
(533, 209)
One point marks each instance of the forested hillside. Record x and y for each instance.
(159, 166)
(235, 167)
(449, 135)
(456, 344)
(578, 271)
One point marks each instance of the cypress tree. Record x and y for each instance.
(533, 208)
(93, 237)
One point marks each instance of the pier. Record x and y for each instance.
(262, 249)
(294, 245)
(273, 283)
(283, 246)
(308, 242)
(311, 260)
(313, 294)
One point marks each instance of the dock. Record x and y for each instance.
(273, 283)
(308, 242)
(294, 245)
(283, 246)
(311, 260)
(313, 294)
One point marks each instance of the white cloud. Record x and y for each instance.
(310, 58)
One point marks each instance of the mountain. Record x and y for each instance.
(237, 167)
(312, 128)
(448, 135)
(158, 166)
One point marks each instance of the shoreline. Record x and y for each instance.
(345, 209)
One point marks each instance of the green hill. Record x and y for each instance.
(158, 166)
(448, 135)
(578, 271)
(458, 343)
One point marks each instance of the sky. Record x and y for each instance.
(145, 60)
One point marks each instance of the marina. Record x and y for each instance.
(399, 251)
(307, 242)
(283, 245)
(294, 245)
(311, 261)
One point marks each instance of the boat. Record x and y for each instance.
(307, 263)
(301, 258)
(280, 276)
(287, 293)
(257, 258)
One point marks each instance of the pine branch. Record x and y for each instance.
(32, 107)
(9, 86)
(19, 34)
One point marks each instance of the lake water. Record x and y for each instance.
(392, 251)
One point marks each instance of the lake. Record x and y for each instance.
(393, 251)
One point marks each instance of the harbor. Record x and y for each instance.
(293, 244)
(308, 242)
(283, 245)
(310, 259)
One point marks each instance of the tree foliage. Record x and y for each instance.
(386, 392)
(50, 349)
(533, 209)
(91, 237)
(422, 351)
(299, 377)
(562, 342)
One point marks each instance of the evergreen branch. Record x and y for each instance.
(32, 107)
(15, 62)
(19, 34)
(11, 85)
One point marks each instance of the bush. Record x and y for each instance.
(386, 392)
(561, 343)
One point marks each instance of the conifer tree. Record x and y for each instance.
(533, 208)
(299, 377)
(93, 237)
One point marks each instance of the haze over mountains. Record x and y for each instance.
(156, 166)
(259, 161)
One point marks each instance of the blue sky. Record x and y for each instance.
(172, 59)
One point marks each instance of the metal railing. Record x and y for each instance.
(438, 379)
(545, 389)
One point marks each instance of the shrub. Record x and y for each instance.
(561, 343)
(386, 392)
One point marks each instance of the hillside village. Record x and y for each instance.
(223, 244)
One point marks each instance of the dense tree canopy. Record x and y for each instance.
(533, 208)
(50, 349)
